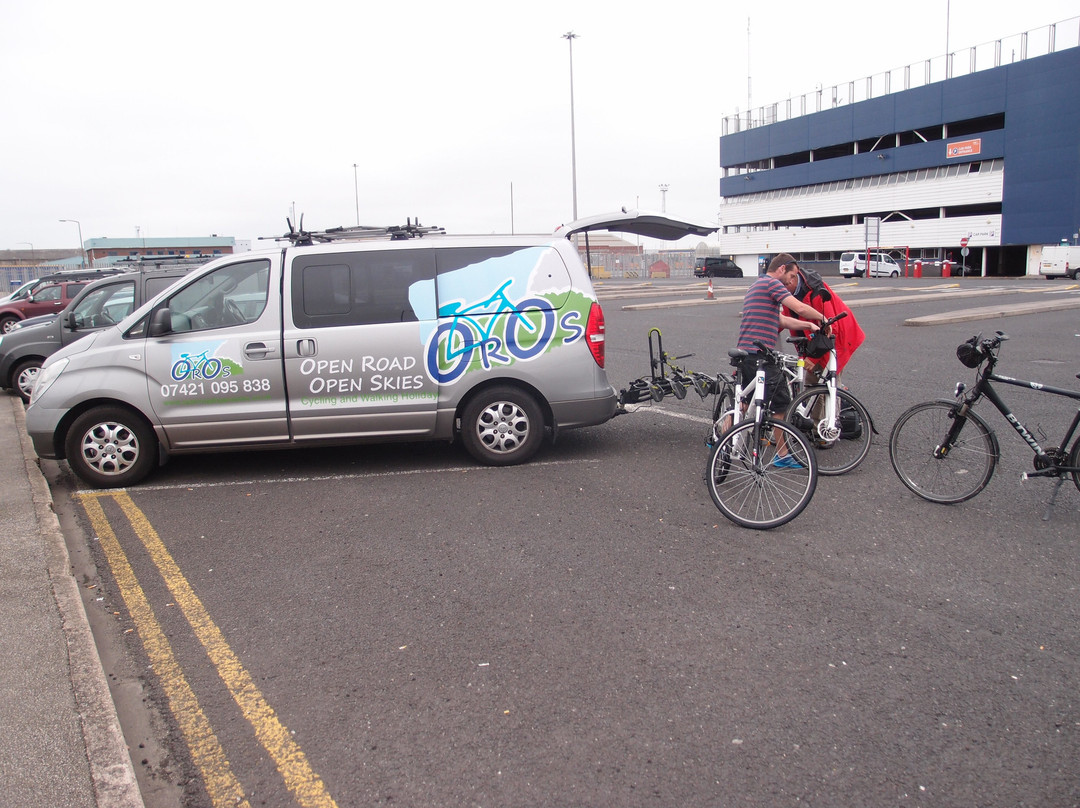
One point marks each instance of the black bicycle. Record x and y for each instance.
(945, 452)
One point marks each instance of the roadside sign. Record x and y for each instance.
(964, 251)
(964, 243)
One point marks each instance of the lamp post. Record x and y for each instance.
(82, 249)
(356, 191)
(663, 196)
(570, 36)
(33, 258)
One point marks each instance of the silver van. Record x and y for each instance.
(486, 339)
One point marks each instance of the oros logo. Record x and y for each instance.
(505, 332)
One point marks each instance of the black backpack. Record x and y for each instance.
(815, 283)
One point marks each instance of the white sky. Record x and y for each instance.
(191, 118)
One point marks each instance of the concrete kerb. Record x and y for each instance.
(111, 769)
(990, 312)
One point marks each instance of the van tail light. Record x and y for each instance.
(594, 333)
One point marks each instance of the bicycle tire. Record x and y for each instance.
(1074, 461)
(745, 485)
(958, 476)
(841, 448)
(725, 403)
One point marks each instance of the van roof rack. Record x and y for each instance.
(305, 238)
(147, 263)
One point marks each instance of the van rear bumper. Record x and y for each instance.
(585, 412)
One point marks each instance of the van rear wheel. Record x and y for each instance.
(502, 426)
(111, 447)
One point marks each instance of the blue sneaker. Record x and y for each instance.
(786, 462)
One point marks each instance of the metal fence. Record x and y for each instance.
(1041, 41)
(12, 277)
(643, 266)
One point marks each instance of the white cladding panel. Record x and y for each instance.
(983, 231)
(887, 193)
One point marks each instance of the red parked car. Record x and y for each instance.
(47, 298)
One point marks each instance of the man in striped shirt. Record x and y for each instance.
(762, 320)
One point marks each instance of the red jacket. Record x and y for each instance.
(847, 332)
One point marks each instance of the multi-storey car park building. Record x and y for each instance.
(914, 164)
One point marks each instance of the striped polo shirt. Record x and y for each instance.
(761, 312)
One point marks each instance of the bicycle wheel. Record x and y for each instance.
(747, 484)
(840, 446)
(721, 414)
(958, 475)
(1074, 461)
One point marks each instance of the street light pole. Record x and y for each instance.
(356, 190)
(33, 258)
(570, 36)
(82, 249)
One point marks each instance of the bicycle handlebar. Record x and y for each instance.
(831, 320)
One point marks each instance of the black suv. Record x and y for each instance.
(709, 267)
(98, 305)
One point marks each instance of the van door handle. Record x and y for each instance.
(305, 347)
(258, 350)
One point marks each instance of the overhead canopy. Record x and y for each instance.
(650, 225)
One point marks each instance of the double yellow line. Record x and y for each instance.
(206, 751)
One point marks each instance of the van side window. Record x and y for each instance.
(360, 288)
(105, 306)
(232, 295)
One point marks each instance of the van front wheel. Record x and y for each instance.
(110, 447)
(502, 426)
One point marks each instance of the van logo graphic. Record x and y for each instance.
(191, 364)
(493, 331)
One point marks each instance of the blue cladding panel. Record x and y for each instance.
(975, 96)
(830, 127)
(874, 118)
(789, 137)
(918, 108)
(1041, 203)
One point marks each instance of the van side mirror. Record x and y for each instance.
(160, 322)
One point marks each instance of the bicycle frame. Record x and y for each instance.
(828, 379)
(983, 387)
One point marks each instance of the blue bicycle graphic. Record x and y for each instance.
(199, 366)
(451, 348)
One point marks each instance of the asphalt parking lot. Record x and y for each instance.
(588, 629)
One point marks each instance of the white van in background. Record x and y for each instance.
(881, 265)
(1060, 261)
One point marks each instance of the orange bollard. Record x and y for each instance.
(709, 294)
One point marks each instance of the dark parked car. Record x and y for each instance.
(98, 305)
(709, 267)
